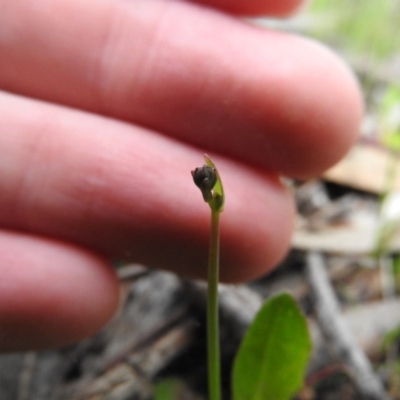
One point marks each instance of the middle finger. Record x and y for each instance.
(267, 98)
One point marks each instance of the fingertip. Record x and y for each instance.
(310, 109)
(256, 228)
(332, 107)
(51, 294)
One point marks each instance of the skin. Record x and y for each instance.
(106, 107)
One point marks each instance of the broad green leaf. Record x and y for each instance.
(272, 358)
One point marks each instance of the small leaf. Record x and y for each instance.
(218, 196)
(272, 358)
(168, 389)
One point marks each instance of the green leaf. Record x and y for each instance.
(272, 358)
(168, 389)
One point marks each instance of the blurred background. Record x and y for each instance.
(345, 252)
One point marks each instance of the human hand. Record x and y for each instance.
(106, 106)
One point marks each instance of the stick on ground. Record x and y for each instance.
(335, 330)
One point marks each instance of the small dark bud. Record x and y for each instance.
(205, 179)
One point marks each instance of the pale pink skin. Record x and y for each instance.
(105, 108)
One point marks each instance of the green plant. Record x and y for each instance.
(272, 358)
(167, 389)
(207, 179)
(274, 353)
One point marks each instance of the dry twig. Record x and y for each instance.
(337, 333)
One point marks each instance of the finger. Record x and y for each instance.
(254, 7)
(51, 294)
(268, 99)
(127, 192)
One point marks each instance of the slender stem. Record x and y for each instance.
(214, 370)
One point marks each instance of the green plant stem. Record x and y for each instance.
(214, 370)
